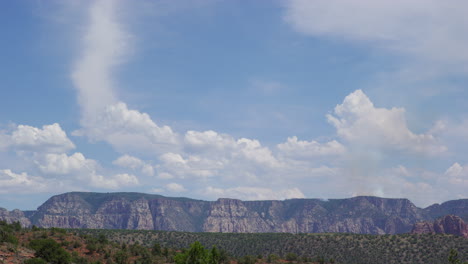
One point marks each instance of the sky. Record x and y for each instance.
(254, 100)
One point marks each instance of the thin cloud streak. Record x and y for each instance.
(104, 46)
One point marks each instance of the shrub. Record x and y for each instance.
(50, 251)
(91, 247)
(272, 258)
(291, 257)
(247, 260)
(121, 257)
(35, 261)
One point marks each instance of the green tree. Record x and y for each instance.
(16, 226)
(102, 239)
(453, 257)
(196, 254)
(91, 247)
(146, 258)
(291, 257)
(50, 251)
(121, 257)
(272, 258)
(215, 256)
(223, 256)
(156, 249)
(35, 261)
(247, 260)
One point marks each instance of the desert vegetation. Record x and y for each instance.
(305, 248)
(55, 245)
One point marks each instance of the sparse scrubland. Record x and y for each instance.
(55, 245)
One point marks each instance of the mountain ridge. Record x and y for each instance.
(130, 210)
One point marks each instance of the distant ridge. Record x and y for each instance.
(129, 210)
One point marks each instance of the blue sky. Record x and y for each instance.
(241, 99)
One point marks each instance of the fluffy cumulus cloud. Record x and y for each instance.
(358, 121)
(127, 161)
(174, 165)
(457, 175)
(222, 145)
(429, 30)
(76, 169)
(104, 46)
(300, 149)
(195, 155)
(129, 130)
(51, 138)
(134, 163)
(254, 193)
(63, 164)
(209, 158)
(208, 141)
(12, 182)
(115, 181)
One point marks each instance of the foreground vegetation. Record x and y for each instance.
(55, 245)
(342, 248)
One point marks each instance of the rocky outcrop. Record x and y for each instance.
(365, 214)
(369, 215)
(14, 216)
(450, 224)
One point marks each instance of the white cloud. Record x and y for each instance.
(173, 158)
(223, 145)
(127, 161)
(11, 182)
(298, 149)
(458, 176)
(104, 45)
(134, 163)
(208, 141)
(173, 164)
(115, 181)
(252, 150)
(211, 157)
(429, 30)
(103, 117)
(129, 130)
(78, 170)
(165, 176)
(175, 187)
(148, 170)
(4, 140)
(64, 164)
(254, 193)
(209, 154)
(51, 138)
(357, 121)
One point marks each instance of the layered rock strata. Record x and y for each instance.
(364, 214)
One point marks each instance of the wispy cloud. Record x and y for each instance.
(104, 46)
(428, 30)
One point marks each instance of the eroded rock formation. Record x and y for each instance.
(364, 214)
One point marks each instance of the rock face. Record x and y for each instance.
(367, 215)
(14, 216)
(450, 224)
